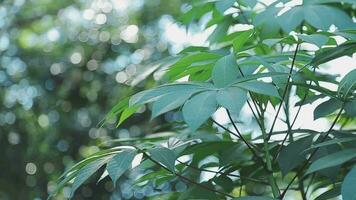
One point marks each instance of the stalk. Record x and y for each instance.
(271, 179)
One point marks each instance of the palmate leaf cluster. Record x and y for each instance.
(257, 67)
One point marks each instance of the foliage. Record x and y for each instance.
(261, 66)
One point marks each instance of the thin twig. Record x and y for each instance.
(185, 178)
(285, 91)
(226, 174)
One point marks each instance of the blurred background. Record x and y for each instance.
(63, 65)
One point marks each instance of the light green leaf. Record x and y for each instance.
(84, 173)
(332, 160)
(241, 39)
(260, 87)
(293, 154)
(127, 113)
(319, 17)
(326, 108)
(223, 5)
(150, 95)
(291, 19)
(317, 39)
(199, 109)
(348, 186)
(164, 156)
(232, 99)
(225, 71)
(171, 101)
(118, 165)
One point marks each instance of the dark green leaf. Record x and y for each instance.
(332, 193)
(332, 53)
(293, 154)
(331, 160)
(348, 186)
(326, 108)
(86, 172)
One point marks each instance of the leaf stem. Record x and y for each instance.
(185, 178)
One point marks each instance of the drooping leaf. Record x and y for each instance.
(128, 112)
(348, 185)
(118, 165)
(260, 88)
(171, 101)
(329, 54)
(155, 93)
(88, 170)
(232, 98)
(317, 39)
(225, 71)
(199, 108)
(332, 193)
(241, 39)
(331, 160)
(348, 83)
(293, 154)
(164, 156)
(326, 108)
(350, 108)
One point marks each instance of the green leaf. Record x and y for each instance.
(121, 162)
(348, 83)
(331, 142)
(253, 198)
(225, 71)
(86, 172)
(332, 160)
(199, 109)
(164, 156)
(350, 108)
(232, 99)
(291, 19)
(223, 5)
(332, 193)
(241, 39)
(326, 108)
(260, 88)
(318, 16)
(127, 113)
(317, 39)
(348, 186)
(172, 101)
(328, 54)
(150, 95)
(293, 154)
